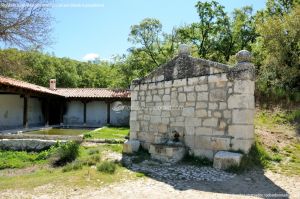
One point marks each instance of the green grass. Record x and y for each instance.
(278, 119)
(107, 167)
(108, 133)
(292, 155)
(74, 174)
(20, 159)
(85, 177)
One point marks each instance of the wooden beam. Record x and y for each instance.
(25, 112)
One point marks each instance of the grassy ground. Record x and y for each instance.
(108, 133)
(34, 172)
(277, 140)
(277, 148)
(20, 159)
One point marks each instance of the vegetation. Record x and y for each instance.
(278, 119)
(25, 26)
(76, 165)
(64, 153)
(107, 167)
(19, 159)
(108, 133)
(272, 34)
(276, 145)
(198, 161)
(32, 170)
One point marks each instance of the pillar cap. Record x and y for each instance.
(184, 49)
(243, 56)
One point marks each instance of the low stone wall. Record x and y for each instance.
(41, 137)
(27, 144)
(211, 105)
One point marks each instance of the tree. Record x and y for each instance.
(243, 28)
(202, 34)
(280, 7)
(150, 39)
(279, 48)
(25, 24)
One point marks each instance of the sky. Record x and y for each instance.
(84, 30)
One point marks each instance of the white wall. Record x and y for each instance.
(119, 113)
(74, 113)
(35, 115)
(96, 113)
(11, 111)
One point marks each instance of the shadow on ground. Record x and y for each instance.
(184, 176)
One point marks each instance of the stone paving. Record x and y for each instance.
(169, 172)
(183, 172)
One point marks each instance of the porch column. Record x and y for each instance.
(25, 112)
(47, 113)
(84, 113)
(108, 112)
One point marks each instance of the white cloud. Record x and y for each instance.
(90, 57)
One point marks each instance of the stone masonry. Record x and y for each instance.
(211, 105)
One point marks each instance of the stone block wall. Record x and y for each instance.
(209, 104)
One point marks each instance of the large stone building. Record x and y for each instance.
(25, 105)
(206, 106)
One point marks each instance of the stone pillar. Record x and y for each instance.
(241, 102)
(25, 112)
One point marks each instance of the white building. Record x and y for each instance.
(27, 105)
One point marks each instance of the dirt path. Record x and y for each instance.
(254, 184)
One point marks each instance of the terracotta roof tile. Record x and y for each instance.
(93, 93)
(25, 85)
(67, 92)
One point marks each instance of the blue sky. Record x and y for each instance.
(103, 30)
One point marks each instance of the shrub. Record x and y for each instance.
(93, 151)
(87, 135)
(107, 167)
(92, 160)
(76, 165)
(65, 153)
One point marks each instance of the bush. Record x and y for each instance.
(76, 165)
(107, 167)
(87, 135)
(65, 153)
(91, 160)
(93, 151)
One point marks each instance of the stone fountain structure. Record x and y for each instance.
(192, 105)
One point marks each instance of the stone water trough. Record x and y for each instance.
(27, 142)
(172, 150)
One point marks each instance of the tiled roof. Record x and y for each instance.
(93, 93)
(25, 85)
(67, 92)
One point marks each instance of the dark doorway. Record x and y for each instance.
(53, 109)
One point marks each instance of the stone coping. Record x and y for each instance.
(41, 137)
